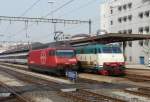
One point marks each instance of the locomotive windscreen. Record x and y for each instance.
(116, 50)
(111, 50)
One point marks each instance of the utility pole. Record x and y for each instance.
(90, 26)
(52, 13)
(44, 20)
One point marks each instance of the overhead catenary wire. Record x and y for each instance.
(24, 13)
(29, 8)
(54, 11)
(57, 9)
(78, 8)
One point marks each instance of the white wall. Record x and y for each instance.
(137, 6)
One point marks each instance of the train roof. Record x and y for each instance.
(53, 48)
(97, 46)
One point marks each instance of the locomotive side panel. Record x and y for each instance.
(34, 57)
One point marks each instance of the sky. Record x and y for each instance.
(43, 32)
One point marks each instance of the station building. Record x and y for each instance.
(132, 17)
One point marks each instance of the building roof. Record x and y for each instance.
(111, 38)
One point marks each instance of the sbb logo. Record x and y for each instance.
(43, 57)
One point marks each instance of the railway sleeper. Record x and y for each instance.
(138, 79)
(138, 93)
(11, 92)
(86, 96)
(147, 89)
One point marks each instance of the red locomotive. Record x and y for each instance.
(55, 60)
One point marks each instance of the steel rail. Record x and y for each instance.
(80, 80)
(138, 78)
(139, 93)
(92, 97)
(88, 96)
(32, 79)
(13, 93)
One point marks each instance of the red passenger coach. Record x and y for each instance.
(56, 60)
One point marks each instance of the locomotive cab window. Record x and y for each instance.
(116, 50)
(111, 50)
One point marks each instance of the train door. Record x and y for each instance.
(142, 60)
(51, 58)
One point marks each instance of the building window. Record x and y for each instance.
(111, 11)
(130, 5)
(146, 42)
(141, 15)
(120, 20)
(141, 42)
(147, 29)
(124, 7)
(130, 43)
(125, 18)
(119, 8)
(130, 31)
(119, 32)
(146, 13)
(111, 22)
(141, 30)
(125, 32)
(130, 58)
(130, 17)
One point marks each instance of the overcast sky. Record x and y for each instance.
(43, 32)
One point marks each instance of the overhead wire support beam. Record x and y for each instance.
(28, 19)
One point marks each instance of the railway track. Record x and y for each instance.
(80, 80)
(144, 92)
(13, 94)
(79, 96)
(138, 78)
(87, 96)
(12, 65)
